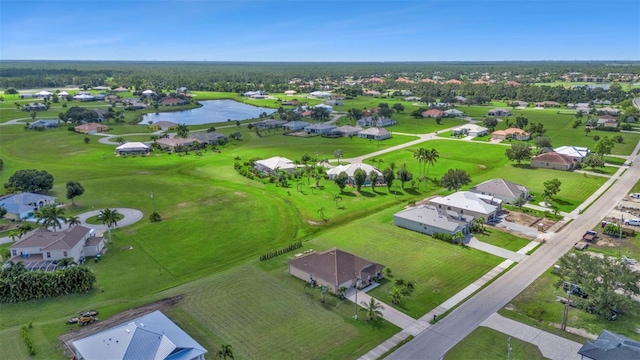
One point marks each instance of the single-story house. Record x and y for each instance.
(84, 97)
(577, 153)
(350, 170)
(499, 112)
(607, 121)
(45, 245)
(173, 101)
(43, 94)
(291, 103)
(132, 148)
(295, 125)
(453, 81)
(553, 160)
(103, 114)
(319, 128)
(91, 128)
(546, 104)
(121, 89)
(174, 143)
(412, 98)
(269, 124)
(453, 113)
(152, 336)
(182, 90)
(324, 106)
(472, 130)
(520, 103)
(434, 113)
(348, 130)
(375, 121)
(513, 133)
(290, 92)
(583, 110)
(34, 107)
(371, 93)
(100, 88)
(609, 111)
(252, 93)
(601, 102)
(111, 98)
(320, 94)
(210, 137)
(258, 96)
(163, 125)
(271, 164)
(428, 219)
(148, 92)
(63, 94)
(335, 268)
(610, 345)
(502, 189)
(374, 133)
(100, 96)
(24, 205)
(135, 106)
(469, 203)
(45, 124)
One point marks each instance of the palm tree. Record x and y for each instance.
(373, 309)
(73, 220)
(225, 351)
(50, 216)
(430, 158)
(182, 131)
(24, 228)
(13, 234)
(396, 295)
(419, 155)
(110, 218)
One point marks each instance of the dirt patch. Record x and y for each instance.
(239, 193)
(580, 332)
(482, 167)
(78, 332)
(527, 220)
(314, 223)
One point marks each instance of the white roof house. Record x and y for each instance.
(374, 133)
(152, 336)
(325, 106)
(472, 130)
(578, 153)
(63, 93)
(320, 94)
(148, 92)
(350, 169)
(43, 93)
(454, 112)
(84, 97)
(132, 148)
(468, 203)
(429, 219)
(273, 163)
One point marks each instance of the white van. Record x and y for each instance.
(634, 222)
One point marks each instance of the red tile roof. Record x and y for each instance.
(433, 112)
(555, 158)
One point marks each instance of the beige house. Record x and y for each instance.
(553, 160)
(511, 133)
(335, 268)
(91, 128)
(174, 143)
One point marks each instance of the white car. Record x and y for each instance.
(635, 195)
(634, 222)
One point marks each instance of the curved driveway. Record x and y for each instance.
(131, 216)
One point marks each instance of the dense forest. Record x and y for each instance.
(277, 77)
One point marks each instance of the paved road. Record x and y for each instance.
(434, 342)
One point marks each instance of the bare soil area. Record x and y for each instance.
(527, 220)
(78, 332)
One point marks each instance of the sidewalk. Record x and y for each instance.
(602, 189)
(494, 250)
(552, 346)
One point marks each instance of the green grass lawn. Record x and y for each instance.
(614, 160)
(542, 294)
(484, 343)
(502, 239)
(411, 256)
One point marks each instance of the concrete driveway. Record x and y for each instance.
(131, 216)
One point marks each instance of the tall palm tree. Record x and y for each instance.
(50, 216)
(110, 218)
(430, 158)
(225, 351)
(182, 131)
(73, 220)
(373, 309)
(419, 155)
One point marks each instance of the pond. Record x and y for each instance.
(211, 111)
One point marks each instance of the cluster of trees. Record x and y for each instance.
(17, 284)
(608, 283)
(30, 180)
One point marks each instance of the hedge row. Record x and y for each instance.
(278, 252)
(27, 340)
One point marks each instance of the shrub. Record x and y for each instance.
(27, 340)
(155, 217)
(281, 251)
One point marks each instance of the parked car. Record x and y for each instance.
(634, 222)
(574, 288)
(635, 195)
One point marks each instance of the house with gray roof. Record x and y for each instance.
(152, 336)
(295, 125)
(610, 346)
(42, 246)
(429, 219)
(24, 205)
(319, 128)
(469, 203)
(375, 121)
(210, 137)
(374, 133)
(502, 189)
(348, 130)
(44, 124)
(269, 124)
(499, 112)
(335, 268)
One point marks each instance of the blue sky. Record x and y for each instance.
(303, 30)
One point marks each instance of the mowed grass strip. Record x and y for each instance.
(411, 256)
(502, 239)
(485, 343)
(269, 315)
